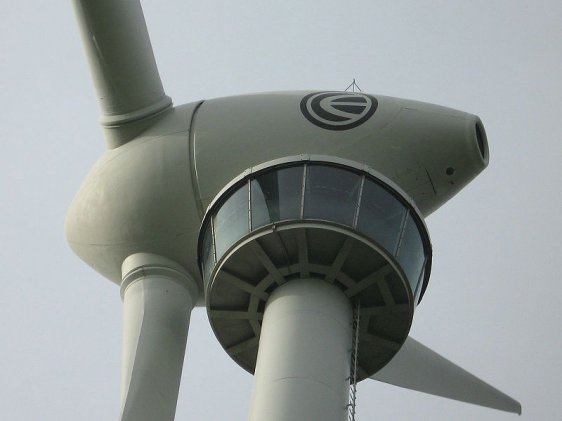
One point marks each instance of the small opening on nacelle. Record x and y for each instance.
(481, 139)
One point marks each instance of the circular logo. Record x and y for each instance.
(338, 110)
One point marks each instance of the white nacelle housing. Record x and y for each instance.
(150, 194)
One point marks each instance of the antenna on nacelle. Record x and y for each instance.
(352, 86)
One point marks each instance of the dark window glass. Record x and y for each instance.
(208, 261)
(411, 254)
(276, 196)
(231, 221)
(331, 194)
(419, 286)
(380, 216)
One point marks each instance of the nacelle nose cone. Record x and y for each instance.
(448, 145)
(460, 161)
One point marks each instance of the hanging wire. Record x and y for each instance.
(352, 405)
(352, 86)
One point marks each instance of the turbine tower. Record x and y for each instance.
(295, 218)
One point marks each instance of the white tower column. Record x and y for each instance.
(158, 296)
(303, 365)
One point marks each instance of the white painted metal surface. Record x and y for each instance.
(303, 366)
(417, 367)
(122, 64)
(163, 167)
(158, 298)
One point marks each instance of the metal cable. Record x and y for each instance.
(352, 405)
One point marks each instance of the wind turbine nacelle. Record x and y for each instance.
(151, 193)
(280, 213)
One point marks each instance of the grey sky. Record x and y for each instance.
(493, 303)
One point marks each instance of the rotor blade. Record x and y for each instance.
(157, 311)
(121, 60)
(419, 368)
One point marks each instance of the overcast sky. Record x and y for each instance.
(494, 300)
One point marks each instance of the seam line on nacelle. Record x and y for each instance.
(192, 165)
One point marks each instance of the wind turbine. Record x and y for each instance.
(296, 218)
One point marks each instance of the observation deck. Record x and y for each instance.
(314, 218)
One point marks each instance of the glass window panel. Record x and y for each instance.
(276, 196)
(380, 216)
(331, 194)
(419, 286)
(231, 221)
(208, 259)
(411, 254)
(261, 212)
